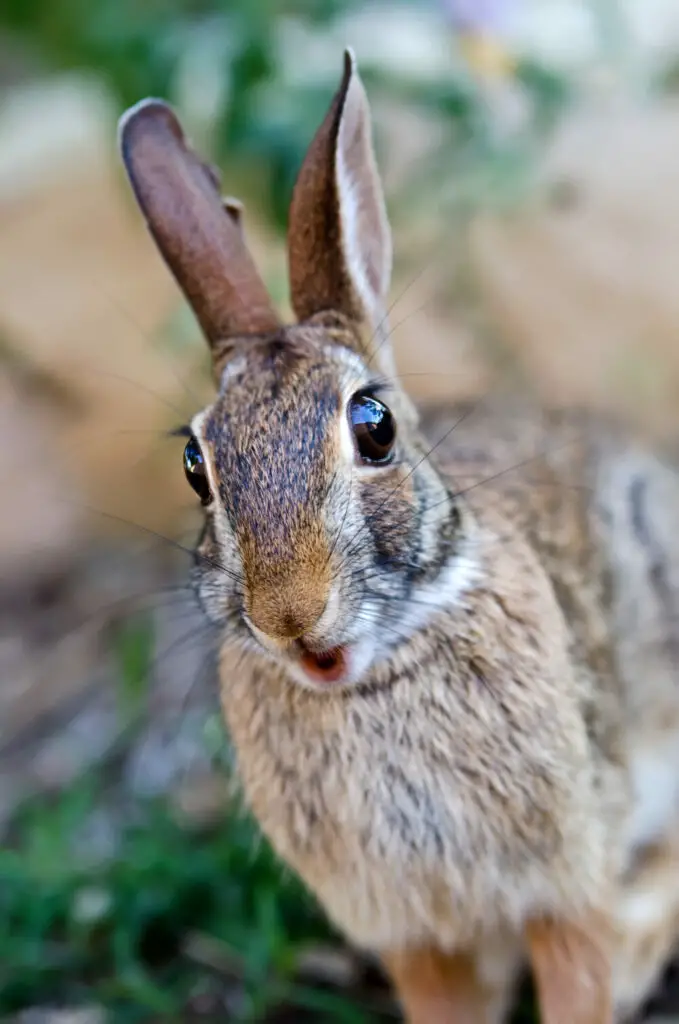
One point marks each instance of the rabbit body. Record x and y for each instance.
(473, 775)
(449, 653)
(495, 765)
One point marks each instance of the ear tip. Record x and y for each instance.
(350, 59)
(350, 67)
(351, 78)
(231, 203)
(147, 113)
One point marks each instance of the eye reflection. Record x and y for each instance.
(194, 470)
(374, 428)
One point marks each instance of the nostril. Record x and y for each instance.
(293, 626)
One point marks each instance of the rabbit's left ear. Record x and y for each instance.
(198, 233)
(339, 242)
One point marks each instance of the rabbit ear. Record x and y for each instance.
(339, 242)
(199, 235)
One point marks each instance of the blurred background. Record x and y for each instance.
(530, 153)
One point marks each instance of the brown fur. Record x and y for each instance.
(199, 237)
(477, 791)
(321, 281)
(646, 923)
(463, 800)
(437, 989)
(287, 439)
(572, 972)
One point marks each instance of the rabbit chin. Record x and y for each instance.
(346, 663)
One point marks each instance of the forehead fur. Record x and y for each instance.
(274, 440)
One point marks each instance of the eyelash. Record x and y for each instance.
(376, 389)
(183, 431)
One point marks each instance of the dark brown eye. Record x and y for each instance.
(194, 468)
(374, 428)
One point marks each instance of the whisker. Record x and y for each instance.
(211, 657)
(172, 597)
(467, 412)
(563, 484)
(392, 306)
(27, 727)
(194, 554)
(384, 570)
(117, 304)
(113, 375)
(343, 520)
(164, 435)
(399, 323)
(331, 484)
(198, 631)
(381, 625)
(461, 491)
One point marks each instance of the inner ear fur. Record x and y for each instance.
(339, 242)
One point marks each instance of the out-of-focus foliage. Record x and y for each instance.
(124, 932)
(181, 924)
(259, 118)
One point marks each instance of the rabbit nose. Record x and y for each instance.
(287, 609)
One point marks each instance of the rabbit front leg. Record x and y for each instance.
(572, 971)
(570, 965)
(437, 988)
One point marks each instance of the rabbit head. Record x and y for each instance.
(328, 532)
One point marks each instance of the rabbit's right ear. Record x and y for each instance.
(339, 242)
(199, 234)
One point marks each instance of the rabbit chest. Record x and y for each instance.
(426, 802)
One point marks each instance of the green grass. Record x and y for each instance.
(180, 925)
(124, 933)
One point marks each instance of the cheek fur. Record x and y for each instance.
(390, 508)
(217, 574)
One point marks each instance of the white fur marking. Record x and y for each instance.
(642, 908)
(458, 576)
(347, 450)
(350, 216)
(655, 777)
(233, 368)
(222, 525)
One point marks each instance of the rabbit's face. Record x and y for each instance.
(326, 534)
(329, 536)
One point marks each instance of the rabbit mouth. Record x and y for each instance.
(324, 667)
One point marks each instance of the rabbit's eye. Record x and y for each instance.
(194, 468)
(374, 428)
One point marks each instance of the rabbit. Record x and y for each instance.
(447, 668)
